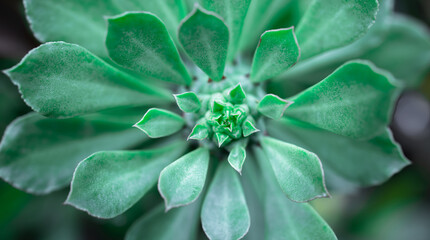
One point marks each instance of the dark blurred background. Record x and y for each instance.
(398, 209)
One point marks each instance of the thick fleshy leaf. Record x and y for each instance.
(199, 132)
(233, 12)
(276, 52)
(178, 224)
(273, 106)
(106, 184)
(38, 154)
(356, 100)
(236, 95)
(83, 23)
(64, 80)
(248, 127)
(345, 167)
(329, 24)
(188, 102)
(222, 139)
(237, 157)
(298, 171)
(158, 123)
(225, 214)
(261, 16)
(205, 38)
(286, 219)
(182, 181)
(139, 41)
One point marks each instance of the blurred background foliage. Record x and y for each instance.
(398, 209)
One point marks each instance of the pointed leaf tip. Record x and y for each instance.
(188, 102)
(237, 157)
(248, 127)
(237, 95)
(273, 106)
(205, 38)
(199, 132)
(158, 123)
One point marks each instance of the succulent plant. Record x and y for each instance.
(218, 134)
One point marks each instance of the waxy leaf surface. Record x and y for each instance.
(182, 181)
(158, 123)
(329, 24)
(179, 224)
(286, 219)
(233, 12)
(224, 213)
(83, 22)
(276, 52)
(205, 38)
(237, 157)
(38, 154)
(298, 171)
(139, 41)
(64, 80)
(356, 101)
(106, 184)
(345, 167)
(273, 106)
(188, 102)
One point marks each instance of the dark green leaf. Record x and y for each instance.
(298, 171)
(348, 163)
(158, 123)
(64, 80)
(39, 154)
(276, 52)
(329, 24)
(182, 181)
(83, 22)
(273, 106)
(139, 41)
(356, 101)
(205, 37)
(233, 12)
(225, 214)
(178, 224)
(188, 102)
(286, 219)
(106, 184)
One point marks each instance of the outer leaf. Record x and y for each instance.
(286, 219)
(63, 80)
(345, 167)
(355, 101)
(178, 224)
(158, 123)
(237, 157)
(329, 24)
(233, 12)
(188, 102)
(181, 182)
(88, 18)
(106, 184)
(277, 51)
(298, 171)
(38, 154)
(225, 214)
(139, 41)
(205, 37)
(273, 106)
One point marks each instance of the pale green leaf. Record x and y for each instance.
(298, 171)
(205, 38)
(139, 41)
(158, 123)
(237, 94)
(224, 213)
(273, 106)
(182, 181)
(199, 132)
(356, 100)
(106, 184)
(248, 127)
(38, 154)
(276, 52)
(237, 157)
(64, 80)
(188, 102)
(329, 24)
